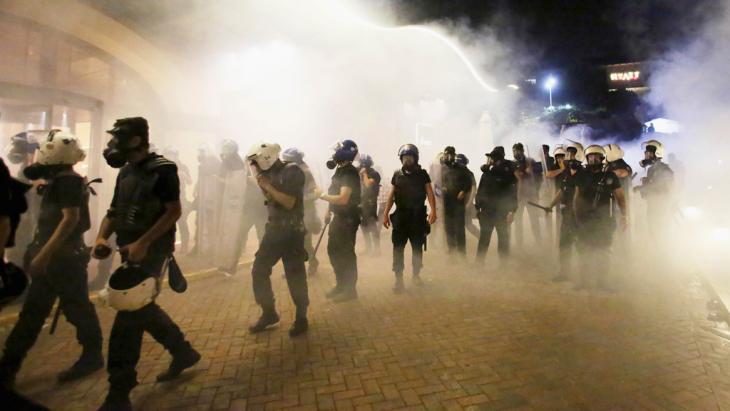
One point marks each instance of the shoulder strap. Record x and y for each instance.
(158, 162)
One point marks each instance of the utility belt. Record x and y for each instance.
(75, 251)
(291, 223)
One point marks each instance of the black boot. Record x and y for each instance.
(334, 292)
(345, 295)
(180, 363)
(8, 370)
(87, 364)
(400, 287)
(268, 318)
(300, 326)
(116, 401)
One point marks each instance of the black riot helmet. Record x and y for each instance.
(408, 150)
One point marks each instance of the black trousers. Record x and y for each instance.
(370, 231)
(125, 341)
(285, 243)
(65, 279)
(488, 222)
(454, 222)
(408, 225)
(568, 238)
(341, 249)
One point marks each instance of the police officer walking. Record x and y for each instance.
(283, 186)
(57, 259)
(456, 185)
(470, 211)
(528, 189)
(369, 188)
(411, 186)
(595, 189)
(312, 222)
(143, 213)
(565, 184)
(12, 279)
(496, 203)
(343, 197)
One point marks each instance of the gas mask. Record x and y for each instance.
(331, 164)
(595, 163)
(117, 152)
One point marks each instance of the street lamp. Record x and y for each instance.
(549, 84)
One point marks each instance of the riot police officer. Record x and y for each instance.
(595, 189)
(411, 186)
(369, 189)
(283, 186)
(656, 187)
(470, 213)
(343, 197)
(528, 189)
(565, 185)
(456, 185)
(57, 259)
(496, 203)
(143, 213)
(12, 279)
(312, 222)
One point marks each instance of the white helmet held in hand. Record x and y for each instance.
(60, 148)
(130, 288)
(613, 152)
(658, 147)
(264, 154)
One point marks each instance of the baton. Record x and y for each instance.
(314, 253)
(545, 209)
(56, 315)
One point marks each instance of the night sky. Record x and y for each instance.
(573, 38)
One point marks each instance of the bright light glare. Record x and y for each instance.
(721, 234)
(513, 86)
(550, 83)
(692, 213)
(343, 11)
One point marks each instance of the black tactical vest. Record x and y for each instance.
(138, 208)
(277, 212)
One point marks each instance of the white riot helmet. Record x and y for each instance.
(130, 288)
(60, 148)
(560, 151)
(264, 154)
(658, 147)
(595, 149)
(580, 154)
(613, 152)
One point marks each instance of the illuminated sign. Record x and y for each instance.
(625, 76)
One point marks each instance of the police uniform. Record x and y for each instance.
(529, 190)
(595, 223)
(343, 228)
(496, 197)
(65, 278)
(312, 222)
(141, 192)
(455, 179)
(568, 236)
(283, 239)
(656, 190)
(409, 219)
(369, 210)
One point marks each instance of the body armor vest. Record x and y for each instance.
(138, 208)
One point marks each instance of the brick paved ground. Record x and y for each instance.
(462, 341)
